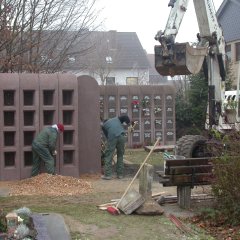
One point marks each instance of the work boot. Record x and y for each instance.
(106, 177)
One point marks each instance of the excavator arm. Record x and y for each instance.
(173, 58)
(167, 37)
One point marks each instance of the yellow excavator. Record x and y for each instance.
(172, 58)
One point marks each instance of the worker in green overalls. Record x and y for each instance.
(44, 148)
(115, 134)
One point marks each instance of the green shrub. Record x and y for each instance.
(226, 186)
(3, 223)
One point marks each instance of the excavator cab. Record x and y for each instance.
(181, 59)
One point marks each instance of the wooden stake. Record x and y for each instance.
(130, 184)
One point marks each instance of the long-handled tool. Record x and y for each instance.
(114, 210)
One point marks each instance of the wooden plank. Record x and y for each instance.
(170, 184)
(195, 159)
(186, 162)
(160, 148)
(159, 173)
(174, 199)
(165, 181)
(190, 179)
(188, 169)
(187, 172)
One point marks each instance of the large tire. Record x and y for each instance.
(192, 146)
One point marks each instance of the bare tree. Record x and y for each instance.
(41, 35)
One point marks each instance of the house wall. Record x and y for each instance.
(228, 17)
(235, 64)
(30, 102)
(121, 75)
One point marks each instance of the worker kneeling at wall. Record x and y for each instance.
(115, 135)
(44, 147)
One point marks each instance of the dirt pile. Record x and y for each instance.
(50, 185)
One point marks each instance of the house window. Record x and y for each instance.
(45, 59)
(71, 59)
(109, 59)
(110, 80)
(238, 51)
(228, 52)
(131, 80)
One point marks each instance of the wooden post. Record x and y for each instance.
(145, 181)
(150, 206)
(184, 196)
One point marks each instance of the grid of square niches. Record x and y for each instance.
(170, 132)
(158, 116)
(68, 112)
(29, 110)
(9, 134)
(135, 112)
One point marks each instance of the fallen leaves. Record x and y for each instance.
(50, 185)
(217, 229)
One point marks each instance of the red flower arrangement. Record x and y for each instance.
(135, 103)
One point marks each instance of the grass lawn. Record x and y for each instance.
(87, 222)
(137, 156)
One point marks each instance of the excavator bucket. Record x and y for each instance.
(184, 59)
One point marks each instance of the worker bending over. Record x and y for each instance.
(44, 148)
(115, 134)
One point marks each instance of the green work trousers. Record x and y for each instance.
(119, 144)
(41, 153)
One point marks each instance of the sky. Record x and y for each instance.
(146, 18)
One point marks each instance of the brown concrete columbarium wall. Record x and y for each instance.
(28, 102)
(153, 107)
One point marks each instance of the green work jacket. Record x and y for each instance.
(113, 128)
(47, 138)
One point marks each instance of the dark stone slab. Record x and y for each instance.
(50, 226)
(40, 227)
(150, 207)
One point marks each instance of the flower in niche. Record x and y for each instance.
(145, 103)
(146, 111)
(101, 103)
(157, 110)
(135, 103)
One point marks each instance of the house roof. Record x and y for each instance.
(131, 52)
(124, 48)
(228, 17)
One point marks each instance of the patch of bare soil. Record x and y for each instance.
(98, 233)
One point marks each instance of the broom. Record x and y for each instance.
(114, 209)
